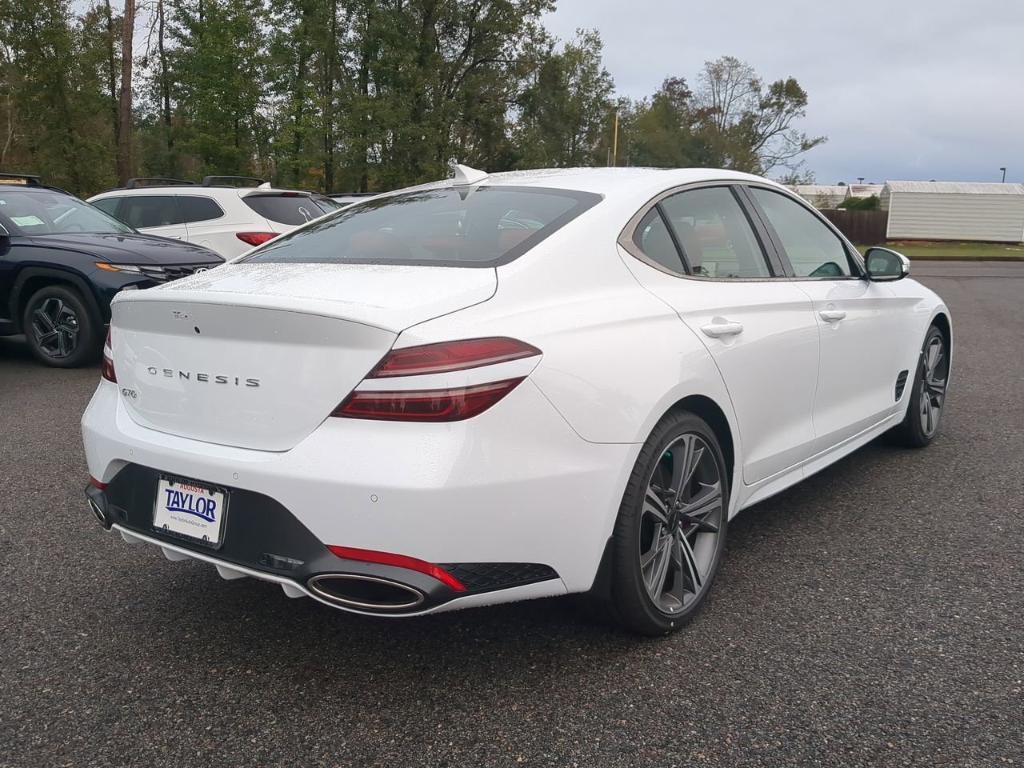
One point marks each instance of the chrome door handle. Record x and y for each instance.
(832, 315)
(717, 330)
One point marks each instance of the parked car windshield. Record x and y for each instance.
(449, 226)
(54, 213)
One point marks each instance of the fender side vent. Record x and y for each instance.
(901, 382)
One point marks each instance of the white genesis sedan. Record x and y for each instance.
(509, 386)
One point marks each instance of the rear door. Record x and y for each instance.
(216, 218)
(154, 215)
(201, 215)
(707, 259)
(861, 324)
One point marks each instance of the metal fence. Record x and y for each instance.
(861, 227)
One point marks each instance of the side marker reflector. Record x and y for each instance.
(399, 561)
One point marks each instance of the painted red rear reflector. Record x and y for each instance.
(96, 483)
(399, 561)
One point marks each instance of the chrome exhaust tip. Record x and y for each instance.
(100, 515)
(366, 593)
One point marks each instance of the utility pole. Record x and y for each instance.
(1004, 174)
(615, 140)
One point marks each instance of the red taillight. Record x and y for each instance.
(255, 238)
(107, 369)
(453, 404)
(450, 356)
(400, 561)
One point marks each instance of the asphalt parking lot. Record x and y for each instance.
(873, 615)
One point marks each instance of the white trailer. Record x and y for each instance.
(949, 210)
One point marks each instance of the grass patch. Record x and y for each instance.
(923, 251)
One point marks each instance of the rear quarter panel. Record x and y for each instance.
(615, 357)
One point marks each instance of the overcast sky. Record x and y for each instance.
(904, 89)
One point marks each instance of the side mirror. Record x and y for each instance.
(883, 265)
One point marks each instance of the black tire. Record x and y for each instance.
(929, 382)
(61, 330)
(628, 591)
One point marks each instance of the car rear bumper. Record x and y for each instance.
(513, 501)
(264, 540)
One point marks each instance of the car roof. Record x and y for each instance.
(620, 183)
(196, 190)
(33, 189)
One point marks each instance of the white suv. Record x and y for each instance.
(217, 213)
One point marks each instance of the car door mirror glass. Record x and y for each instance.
(885, 264)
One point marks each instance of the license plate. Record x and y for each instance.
(190, 509)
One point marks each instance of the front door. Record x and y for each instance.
(860, 323)
(154, 215)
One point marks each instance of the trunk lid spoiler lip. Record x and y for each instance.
(394, 318)
(313, 307)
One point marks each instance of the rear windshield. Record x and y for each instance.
(452, 226)
(285, 209)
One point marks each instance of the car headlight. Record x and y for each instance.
(132, 269)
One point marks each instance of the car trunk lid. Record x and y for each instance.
(257, 355)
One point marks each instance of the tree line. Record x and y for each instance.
(354, 95)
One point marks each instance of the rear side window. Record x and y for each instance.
(452, 226)
(284, 209)
(195, 208)
(150, 211)
(652, 237)
(813, 249)
(714, 233)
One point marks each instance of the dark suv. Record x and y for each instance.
(61, 262)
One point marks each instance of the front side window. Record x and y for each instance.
(143, 211)
(449, 226)
(108, 205)
(714, 234)
(813, 249)
(53, 213)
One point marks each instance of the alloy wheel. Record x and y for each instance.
(682, 518)
(934, 373)
(55, 327)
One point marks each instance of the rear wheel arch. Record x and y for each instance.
(712, 413)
